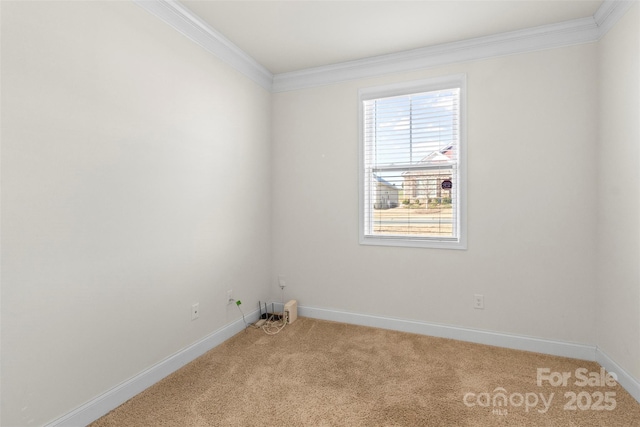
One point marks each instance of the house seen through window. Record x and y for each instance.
(412, 168)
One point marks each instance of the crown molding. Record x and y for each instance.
(194, 28)
(568, 33)
(538, 38)
(573, 32)
(610, 12)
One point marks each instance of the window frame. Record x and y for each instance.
(406, 88)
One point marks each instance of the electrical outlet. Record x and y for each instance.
(478, 301)
(195, 311)
(281, 281)
(229, 296)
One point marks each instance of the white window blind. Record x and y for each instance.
(411, 151)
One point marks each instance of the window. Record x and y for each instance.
(412, 168)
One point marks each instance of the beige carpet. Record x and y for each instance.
(318, 373)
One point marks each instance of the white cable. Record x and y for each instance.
(242, 312)
(273, 327)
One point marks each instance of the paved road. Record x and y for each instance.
(401, 221)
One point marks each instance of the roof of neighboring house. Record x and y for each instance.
(438, 156)
(383, 181)
(435, 157)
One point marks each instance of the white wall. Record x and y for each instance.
(135, 182)
(136, 179)
(532, 129)
(618, 292)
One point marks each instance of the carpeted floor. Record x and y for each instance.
(319, 373)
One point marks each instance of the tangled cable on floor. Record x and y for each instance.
(273, 326)
(275, 322)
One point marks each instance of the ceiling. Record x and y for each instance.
(293, 35)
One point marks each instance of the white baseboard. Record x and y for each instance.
(517, 342)
(115, 397)
(626, 380)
